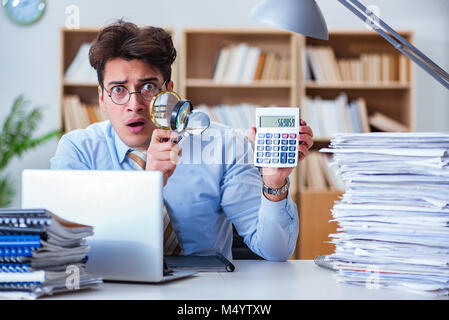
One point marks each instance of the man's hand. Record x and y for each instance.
(163, 156)
(277, 177)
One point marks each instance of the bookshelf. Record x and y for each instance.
(82, 85)
(386, 88)
(199, 54)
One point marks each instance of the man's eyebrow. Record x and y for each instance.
(117, 82)
(148, 79)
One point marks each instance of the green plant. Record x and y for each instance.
(16, 137)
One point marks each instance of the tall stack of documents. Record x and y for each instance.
(394, 215)
(40, 254)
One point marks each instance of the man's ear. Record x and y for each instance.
(101, 99)
(170, 85)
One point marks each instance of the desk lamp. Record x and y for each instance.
(305, 17)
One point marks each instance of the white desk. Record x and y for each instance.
(252, 279)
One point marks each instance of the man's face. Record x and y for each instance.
(131, 120)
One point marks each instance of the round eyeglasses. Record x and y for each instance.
(121, 95)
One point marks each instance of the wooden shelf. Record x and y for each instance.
(358, 86)
(79, 84)
(209, 83)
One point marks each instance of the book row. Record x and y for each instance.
(323, 67)
(329, 117)
(316, 172)
(78, 115)
(242, 63)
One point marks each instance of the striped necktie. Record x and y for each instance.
(172, 246)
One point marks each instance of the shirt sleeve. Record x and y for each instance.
(68, 157)
(270, 229)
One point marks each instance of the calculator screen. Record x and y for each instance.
(277, 122)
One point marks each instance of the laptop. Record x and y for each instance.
(125, 209)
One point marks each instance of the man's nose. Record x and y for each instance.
(135, 102)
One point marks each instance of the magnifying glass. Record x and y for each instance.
(169, 112)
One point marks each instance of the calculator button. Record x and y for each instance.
(292, 142)
(291, 161)
(292, 154)
(267, 148)
(292, 148)
(277, 135)
(283, 157)
(261, 135)
(284, 142)
(259, 160)
(268, 135)
(267, 141)
(259, 148)
(285, 136)
(275, 148)
(276, 141)
(275, 154)
(260, 154)
(275, 160)
(260, 141)
(267, 154)
(266, 160)
(284, 148)
(292, 135)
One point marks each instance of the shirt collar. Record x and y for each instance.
(121, 147)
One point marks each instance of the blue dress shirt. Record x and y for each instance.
(214, 184)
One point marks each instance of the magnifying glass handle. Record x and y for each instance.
(172, 140)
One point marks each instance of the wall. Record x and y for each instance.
(29, 59)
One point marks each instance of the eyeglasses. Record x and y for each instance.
(120, 94)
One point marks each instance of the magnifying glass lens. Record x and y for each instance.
(169, 112)
(181, 117)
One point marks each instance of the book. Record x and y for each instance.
(260, 66)
(210, 263)
(221, 65)
(236, 63)
(386, 124)
(250, 65)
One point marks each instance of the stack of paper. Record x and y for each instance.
(40, 253)
(394, 216)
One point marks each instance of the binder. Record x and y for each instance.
(36, 247)
(211, 263)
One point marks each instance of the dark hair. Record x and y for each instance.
(126, 40)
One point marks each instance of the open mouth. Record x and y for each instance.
(136, 126)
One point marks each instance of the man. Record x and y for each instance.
(202, 199)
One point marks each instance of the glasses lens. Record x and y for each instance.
(119, 95)
(148, 91)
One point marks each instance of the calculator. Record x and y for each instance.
(276, 142)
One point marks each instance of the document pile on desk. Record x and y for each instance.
(41, 254)
(394, 216)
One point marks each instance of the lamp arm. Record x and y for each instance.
(397, 41)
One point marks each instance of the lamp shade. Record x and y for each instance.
(300, 16)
